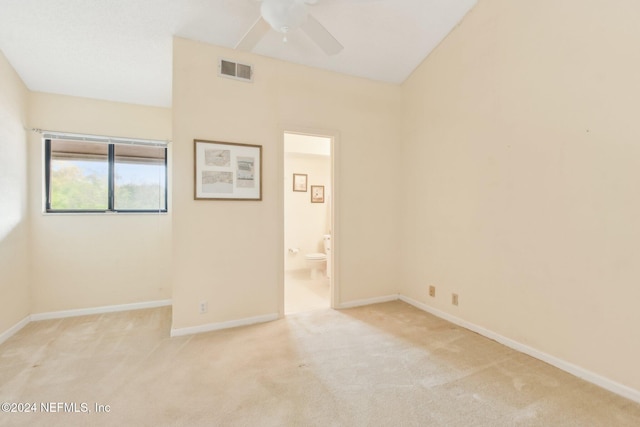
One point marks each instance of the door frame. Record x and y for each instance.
(334, 136)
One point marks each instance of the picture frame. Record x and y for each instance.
(300, 182)
(227, 171)
(317, 194)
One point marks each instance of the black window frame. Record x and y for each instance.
(111, 184)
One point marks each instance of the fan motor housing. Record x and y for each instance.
(284, 15)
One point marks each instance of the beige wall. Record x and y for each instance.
(305, 222)
(505, 169)
(14, 279)
(229, 253)
(83, 260)
(523, 160)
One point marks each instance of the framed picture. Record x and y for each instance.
(317, 194)
(227, 171)
(300, 182)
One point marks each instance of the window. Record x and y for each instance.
(87, 176)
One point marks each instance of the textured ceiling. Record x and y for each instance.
(120, 50)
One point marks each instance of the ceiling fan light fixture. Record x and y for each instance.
(284, 15)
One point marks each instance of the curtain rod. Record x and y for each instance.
(99, 138)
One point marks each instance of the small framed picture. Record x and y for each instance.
(300, 182)
(317, 194)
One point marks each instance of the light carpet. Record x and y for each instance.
(381, 365)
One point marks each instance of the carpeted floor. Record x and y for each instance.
(381, 365)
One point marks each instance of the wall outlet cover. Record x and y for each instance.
(204, 307)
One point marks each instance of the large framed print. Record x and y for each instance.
(227, 171)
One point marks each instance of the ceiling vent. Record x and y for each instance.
(235, 70)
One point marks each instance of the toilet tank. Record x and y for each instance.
(327, 243)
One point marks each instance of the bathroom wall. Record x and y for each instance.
(305, 222)
(14, 221)
(521, 161)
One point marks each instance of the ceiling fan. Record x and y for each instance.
(284, 16)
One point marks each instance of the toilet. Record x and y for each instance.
(320, 261)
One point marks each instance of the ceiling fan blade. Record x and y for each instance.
(321, 36)
(254, 35)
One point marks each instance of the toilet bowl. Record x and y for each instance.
(316, 263)
(320, 263)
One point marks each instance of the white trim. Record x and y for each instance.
(281, 224)
(223, 325)
(14, 329)
(101, 139)
(579, 372)
(334, 204)
(99, 310)
(114, 213)
(440, 314)
(369, 301)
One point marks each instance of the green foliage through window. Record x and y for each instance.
(71, 188)
(87, 176)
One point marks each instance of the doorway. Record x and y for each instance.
(308, 222)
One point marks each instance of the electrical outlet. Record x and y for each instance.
(204, 307)
(432, 291)
(454, 299)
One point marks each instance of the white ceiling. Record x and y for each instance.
(120, 50)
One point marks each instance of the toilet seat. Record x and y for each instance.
(316, 257)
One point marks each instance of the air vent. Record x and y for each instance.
(235, 70)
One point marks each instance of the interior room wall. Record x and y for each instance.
(93, 260)
(14, 277)
(305, 222)
(520, 161)
(229, 252)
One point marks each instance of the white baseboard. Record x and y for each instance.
(223, 325)
(14, 329)
(99, 310)
(579, 372)
(369, 301)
